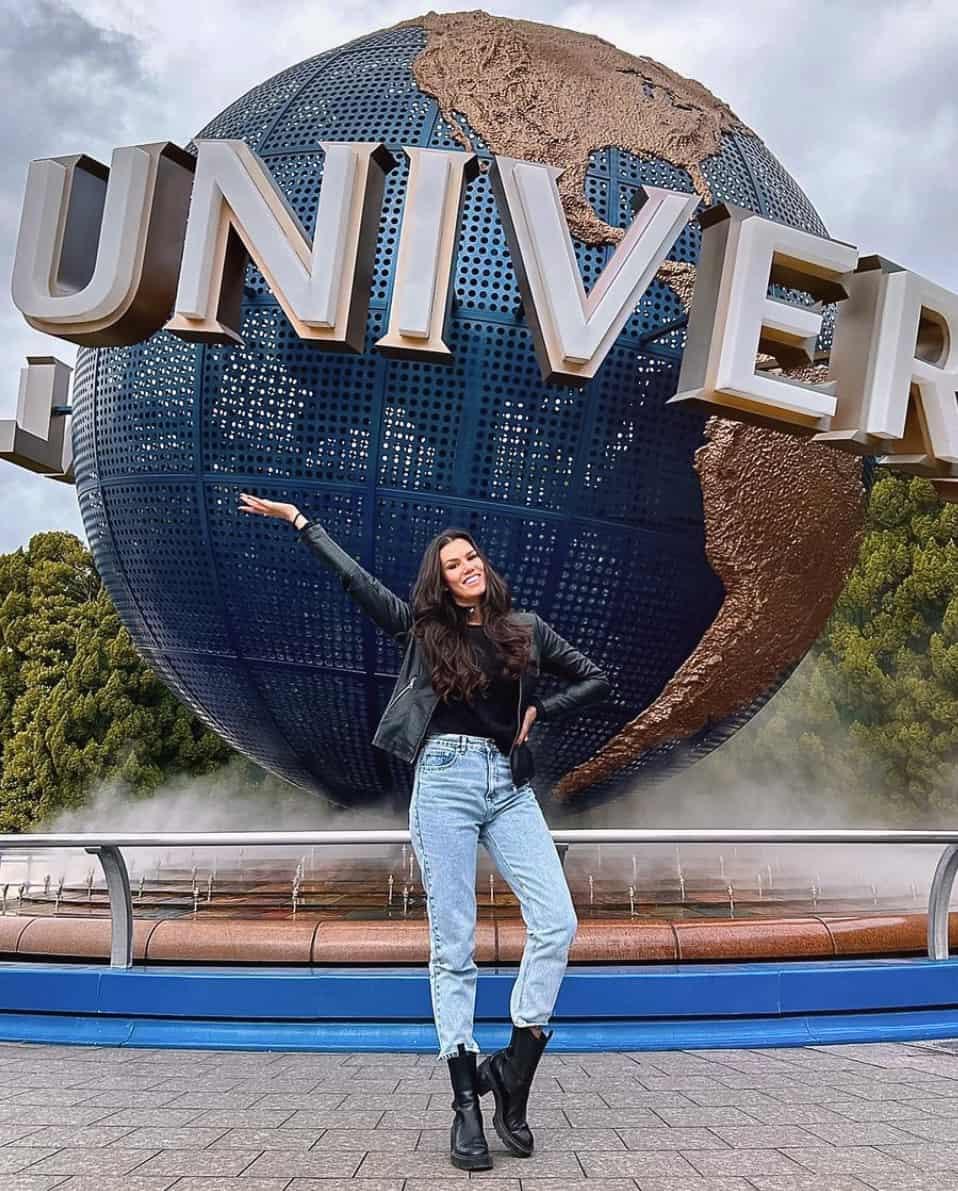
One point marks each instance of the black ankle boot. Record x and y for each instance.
(508, 1075)
(467, 1142)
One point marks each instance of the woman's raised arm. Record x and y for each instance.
(393, 615)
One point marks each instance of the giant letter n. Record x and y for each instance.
(237, 210)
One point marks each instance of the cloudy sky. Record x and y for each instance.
(855, 97)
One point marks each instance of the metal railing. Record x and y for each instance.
(107, 847)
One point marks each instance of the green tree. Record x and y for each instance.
(77, 703)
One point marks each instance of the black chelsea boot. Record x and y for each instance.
(467, 1142)
(508, 1075)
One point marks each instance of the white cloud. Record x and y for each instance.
(856, 99)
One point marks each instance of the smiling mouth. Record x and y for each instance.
(472, 581)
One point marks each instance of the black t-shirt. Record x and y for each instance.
(492, 712)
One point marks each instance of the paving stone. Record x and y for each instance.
(364, 1185)
(770, 1083)
(763, 1137)
(371, 1087)
(293, 1164)
(717, 1097)
(856, 1160)
(242, 1118)
(679, 1083)
(109, 1098)
(793, 1114)
(881, 1110)
(936, 1129)
(352, 1185)
(539, 1100)
(927, 1156)
(392, 1140)
(645, 1099)
(861, 1133)
(914, 1180)
(361, 1101)
(37, 1115)
(41, 1182)
(489, 1180)
(32, 1094)
(187, 1137)
(809, 1182)
(719, 1183)
(206, 1085)
(111, 1182)
(873, 1090)
(697, 1116)
(15, 1159)
(636, 1165)
(67, 1135)
(17, 1131)
(311, 1101)
(335, 1118)
(99, 1080)
(239, 1098)
(741, 1162)
(198, 1162)
(937, 1107)
(821, 1093)
(543, 1184)
(671, 1138)
(109, 1160)
(141, 1118)
(267, 1139)
(543, 1166)
(228, 1184)
(607, 1118)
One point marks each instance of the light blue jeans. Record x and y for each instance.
(463, 793)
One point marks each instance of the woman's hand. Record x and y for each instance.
(268, 508)
(528, 721)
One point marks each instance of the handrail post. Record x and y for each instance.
(939, 898)
(121, 904)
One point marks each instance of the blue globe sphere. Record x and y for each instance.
(586, 499)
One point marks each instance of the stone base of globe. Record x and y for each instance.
(759, 906)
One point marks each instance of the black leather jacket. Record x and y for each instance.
(402, 726)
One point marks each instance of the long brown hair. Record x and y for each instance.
(439, 624)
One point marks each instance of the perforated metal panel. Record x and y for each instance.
(585, 498)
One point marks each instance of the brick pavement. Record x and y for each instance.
(828, 1118)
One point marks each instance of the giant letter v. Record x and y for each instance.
(572, 332)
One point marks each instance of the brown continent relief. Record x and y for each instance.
(783, 517)
(525, 88)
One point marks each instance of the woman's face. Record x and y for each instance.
(463, 571)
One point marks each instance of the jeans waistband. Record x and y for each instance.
(461, 741)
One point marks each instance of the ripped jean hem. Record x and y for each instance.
(452, 1054)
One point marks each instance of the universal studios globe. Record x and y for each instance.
(651, 536)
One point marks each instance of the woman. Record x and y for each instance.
(460, 711)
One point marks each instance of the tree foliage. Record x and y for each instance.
(77, 703)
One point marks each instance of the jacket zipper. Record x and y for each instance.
(399, 694)
(518, 715)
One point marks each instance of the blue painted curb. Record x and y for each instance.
(638, 1007)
